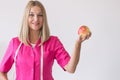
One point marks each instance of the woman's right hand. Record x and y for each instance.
(3, 76)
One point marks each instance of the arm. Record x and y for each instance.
(72, 64)
(3, 76)
(7, 61)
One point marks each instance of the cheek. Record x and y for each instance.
(29, 21)
(41, 21)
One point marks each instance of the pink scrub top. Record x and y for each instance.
(28, 59)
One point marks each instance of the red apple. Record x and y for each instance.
(83, 31)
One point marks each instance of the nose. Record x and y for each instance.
(35, 18)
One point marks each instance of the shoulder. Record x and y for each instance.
(53, 43)
(15, 41)
(53, 38)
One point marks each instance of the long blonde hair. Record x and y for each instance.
(24, 32)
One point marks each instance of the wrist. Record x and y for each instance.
(78, 43)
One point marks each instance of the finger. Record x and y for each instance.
(89, 35)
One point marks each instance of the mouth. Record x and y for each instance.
(35, 24)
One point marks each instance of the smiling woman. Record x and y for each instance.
(35, 19)
(35, 22)
(35, 50)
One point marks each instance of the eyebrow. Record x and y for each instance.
(33, 13)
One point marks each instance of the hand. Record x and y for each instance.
(84, 33)
(85, 37)
(3, 76)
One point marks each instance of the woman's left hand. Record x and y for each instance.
(83, 38)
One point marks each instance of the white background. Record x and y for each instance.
(100, 54)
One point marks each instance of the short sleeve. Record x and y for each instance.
(61, 54)
(7, 61)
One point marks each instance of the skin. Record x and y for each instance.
(35, 22)
(75, 57)
(3, 76)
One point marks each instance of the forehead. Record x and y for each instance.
(35, 9)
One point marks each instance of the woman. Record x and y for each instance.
(37, 49)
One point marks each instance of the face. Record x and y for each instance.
(35, 19)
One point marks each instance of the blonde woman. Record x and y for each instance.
(37, 49)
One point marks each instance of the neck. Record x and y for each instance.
(34, 36)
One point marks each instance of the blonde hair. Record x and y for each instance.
(24, 32)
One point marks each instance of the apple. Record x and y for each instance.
(83, 31)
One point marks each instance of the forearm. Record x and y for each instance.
(72, 64)
(3, 76)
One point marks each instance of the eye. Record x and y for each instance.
(31, 15)
(40, 15)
